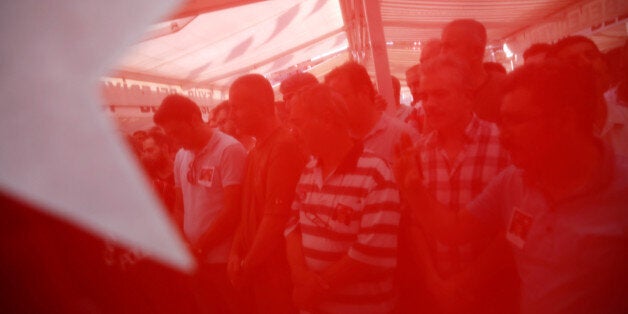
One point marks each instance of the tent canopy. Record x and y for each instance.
(208, 43)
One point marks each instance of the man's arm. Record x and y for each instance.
(450, 226)
(269, 235)
(227, 220)
(348, 270)
(284, 170)
(178, 193)
(373, 256)
(309, 287)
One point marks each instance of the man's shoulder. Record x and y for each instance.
(282, 146)
(224, 138)
(282, 137)
(394, 123)
(509, 180)
(486, 127)
(372, 163)
(397, 127)
(181, 154)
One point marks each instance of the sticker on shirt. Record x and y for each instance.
(206, 177)
(343, 214)
(519, 227)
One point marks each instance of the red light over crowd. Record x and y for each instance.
(493, 192)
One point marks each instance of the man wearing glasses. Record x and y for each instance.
(208, 173)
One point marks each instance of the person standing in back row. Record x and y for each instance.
(465, 41)
(258, 256)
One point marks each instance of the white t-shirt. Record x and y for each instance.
(220, 163)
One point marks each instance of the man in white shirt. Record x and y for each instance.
(208, 173)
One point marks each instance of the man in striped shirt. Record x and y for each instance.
(342, 237)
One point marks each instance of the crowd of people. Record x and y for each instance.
(492, 192)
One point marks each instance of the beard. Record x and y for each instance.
(152, 165)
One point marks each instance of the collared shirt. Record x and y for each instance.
(272, 171)
(455, 183)
(354, 212)
(202, 178)
(571, 253)
(385, 136)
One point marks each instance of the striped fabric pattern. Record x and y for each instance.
(455, 183)
(354, 212)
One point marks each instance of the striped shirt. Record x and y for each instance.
(354, 212)
(455, 183)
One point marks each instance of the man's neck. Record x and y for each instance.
(479, 75)
(203, 136)
(337, 149)
(455, 132)
(267, 127)
(452, 138)
(366, 125)
(574, 170)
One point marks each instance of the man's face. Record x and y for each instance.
(312, 132)
(246, 111)
(359, 106)
(413, 79)
(526, 131)
(444, 101)
(585, 54)
(462, 44)
(152, 154)
(181, 132)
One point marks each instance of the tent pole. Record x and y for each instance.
(373, 15)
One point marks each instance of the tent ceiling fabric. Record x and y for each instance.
(262, 37)
(213, 41)
(407, 23)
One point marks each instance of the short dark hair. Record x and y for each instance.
(177, 108)
(569, 41)
(494, 67)
(470, 24)
(297, 81)
(160, 139)
(322, 102)
(536, 49)
(257, 85)
(430, 49)
(356, 74)
(222, 106)
(561, 86)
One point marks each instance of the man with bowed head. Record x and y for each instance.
(258, 256)
(342, 236)
(379, 132)
(208, 174)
